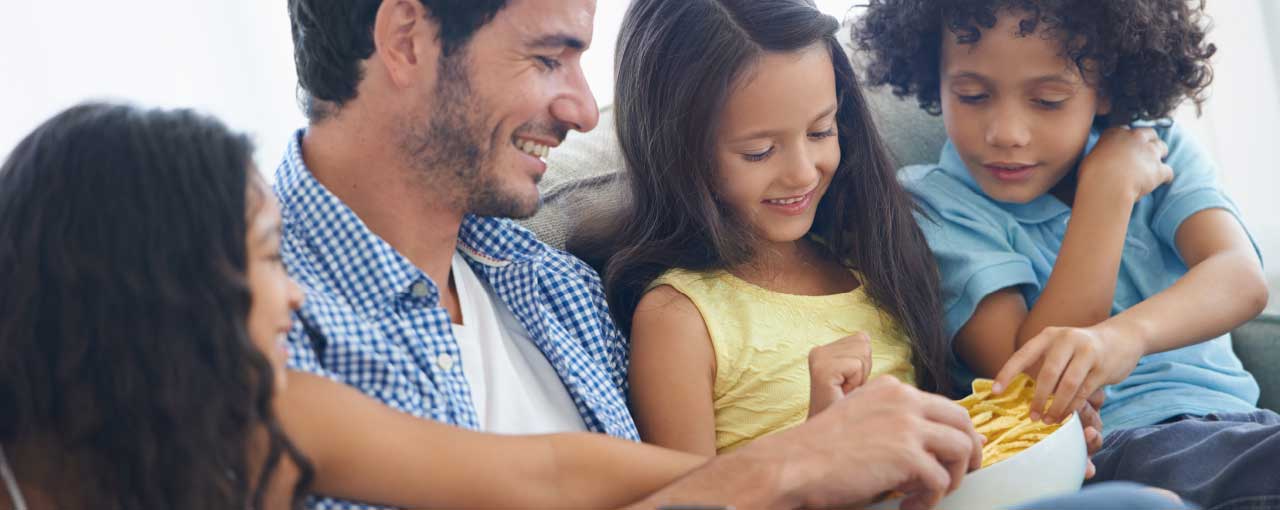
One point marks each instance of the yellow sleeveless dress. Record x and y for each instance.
(762, 340)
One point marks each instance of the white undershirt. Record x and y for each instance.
(513, 386)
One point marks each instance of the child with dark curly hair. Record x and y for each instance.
(1082, 237)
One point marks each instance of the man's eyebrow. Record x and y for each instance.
(558, 41)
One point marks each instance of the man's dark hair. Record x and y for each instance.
(1149, 55)
(332, 37)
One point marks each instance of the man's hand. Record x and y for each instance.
(836, 369)
(883, 436)
(1074, 363)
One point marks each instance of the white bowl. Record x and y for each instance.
(1051, 467)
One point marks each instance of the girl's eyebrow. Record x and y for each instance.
(271, 230)
(767, 133)
(825, 113)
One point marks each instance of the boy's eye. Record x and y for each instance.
(758, 156)
(823, 134)
(971, 99)
(548, 63)
(1053, 105)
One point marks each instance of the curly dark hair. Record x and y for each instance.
(332, 37)
(127, 375)
(678, 63)
(1149, 55)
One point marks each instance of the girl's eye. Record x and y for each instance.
(548, 63)
(759, 156)
(972, 99)
(823, 134)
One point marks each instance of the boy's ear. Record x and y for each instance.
(1104, 105)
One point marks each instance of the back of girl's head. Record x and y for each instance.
(123, 346)
(1149, 55)
(678, 63)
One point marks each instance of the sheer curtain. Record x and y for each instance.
(233, 58)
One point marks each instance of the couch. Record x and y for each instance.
(584, 178)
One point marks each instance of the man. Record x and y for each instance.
(429, 122)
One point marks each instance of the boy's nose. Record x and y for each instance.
(1007, 130)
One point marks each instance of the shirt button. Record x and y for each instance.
(445, 362)
(420, 290)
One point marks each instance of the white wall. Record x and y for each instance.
(234, 58)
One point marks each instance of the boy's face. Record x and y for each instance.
(1018, 112)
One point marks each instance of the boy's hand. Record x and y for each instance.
(1128, 161)
(1074, 363)
(1091, 421)
(836, 369)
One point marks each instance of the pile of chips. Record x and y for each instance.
(1005, 419)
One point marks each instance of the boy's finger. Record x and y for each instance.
(1068, 397)
(1097, 398)
(1018, 363)
(1055, 362)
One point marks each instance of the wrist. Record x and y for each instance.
(1092, 186)
(1120, 331)
(792, 479)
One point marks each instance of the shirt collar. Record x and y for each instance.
(371, 273)
(1043, 208)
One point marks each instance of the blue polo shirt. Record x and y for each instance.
(983, 245)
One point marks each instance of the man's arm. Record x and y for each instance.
(365, 451)
(883, 436)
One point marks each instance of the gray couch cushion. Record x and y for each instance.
(1257, 344)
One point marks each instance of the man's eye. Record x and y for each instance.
(549, 63)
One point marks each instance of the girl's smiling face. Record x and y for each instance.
(1017, 111)
(776, 148)
(275, 295)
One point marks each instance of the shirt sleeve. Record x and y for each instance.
(303, 345)
(1194, 188)
(973, 250)
(616, 346)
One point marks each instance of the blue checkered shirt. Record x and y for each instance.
(373, 320)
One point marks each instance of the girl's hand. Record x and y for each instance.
(1127, 161)
(1074, 363)
(836, 369)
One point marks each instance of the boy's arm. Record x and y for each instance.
(672, 373)
(1070, 363)
(1079, 291)
(1124, 166)
(1223, 288)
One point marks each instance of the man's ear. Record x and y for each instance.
(405, 41)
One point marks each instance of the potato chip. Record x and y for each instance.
(1005, 419)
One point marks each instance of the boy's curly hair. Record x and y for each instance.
(1150, 55)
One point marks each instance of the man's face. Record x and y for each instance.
(501, 103)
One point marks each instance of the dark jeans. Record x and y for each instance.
(1225, 461)
(1109, 496)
